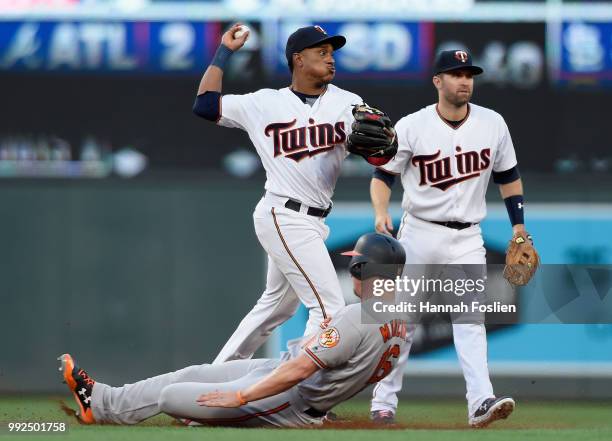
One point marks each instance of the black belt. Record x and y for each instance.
(317, 212)
(311, 411)
(454, 224)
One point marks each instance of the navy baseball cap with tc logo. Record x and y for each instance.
(310, 36)
(453, 60)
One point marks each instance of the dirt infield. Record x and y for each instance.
(354, 421)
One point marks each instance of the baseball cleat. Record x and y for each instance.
(81, 386)
(382, 417)
(492, 409)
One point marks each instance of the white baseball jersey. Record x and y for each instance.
(301, 146)
(445, 170)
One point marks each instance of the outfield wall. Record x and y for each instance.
(149, 275)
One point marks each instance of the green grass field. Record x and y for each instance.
(422, 420)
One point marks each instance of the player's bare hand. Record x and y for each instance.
(219, 399)
(229, 37)
(518, 228)
(383, 224)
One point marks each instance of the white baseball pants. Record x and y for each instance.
(299, 270)
(429, 243)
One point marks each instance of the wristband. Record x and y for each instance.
(514, 205)
(222, 56)
(242, 400)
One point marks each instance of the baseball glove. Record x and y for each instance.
(373, 136)
(522, 260)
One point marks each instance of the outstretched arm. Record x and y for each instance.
(212, 79)
(284, 377)
(207, 102)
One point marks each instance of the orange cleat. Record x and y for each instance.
(81, 386)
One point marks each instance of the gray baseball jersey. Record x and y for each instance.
(351, 356)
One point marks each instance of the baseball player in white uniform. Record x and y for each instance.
(447, 153)
(339, 360)
(300, 134)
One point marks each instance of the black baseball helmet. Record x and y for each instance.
(384, 256)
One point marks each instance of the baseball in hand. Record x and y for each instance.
(241, 31)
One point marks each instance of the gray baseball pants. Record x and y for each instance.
(175, 394)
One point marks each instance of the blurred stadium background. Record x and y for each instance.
(125, 221)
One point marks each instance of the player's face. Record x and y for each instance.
(456, 86)
(317, 64)
(356, 287)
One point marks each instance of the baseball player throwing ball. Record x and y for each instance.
(301, 134)
(340, 359)
(447, 153)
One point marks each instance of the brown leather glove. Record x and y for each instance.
(522, 259)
